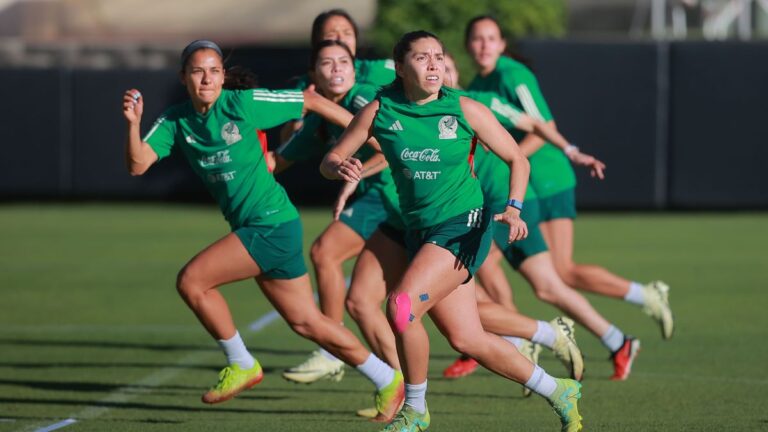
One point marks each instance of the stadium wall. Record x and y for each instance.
(678, 124)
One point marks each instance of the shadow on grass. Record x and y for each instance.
(111, 344)
(170, 408)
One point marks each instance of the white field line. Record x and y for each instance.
(145, 385)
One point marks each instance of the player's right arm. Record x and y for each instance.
(139, 155)
(339, 163)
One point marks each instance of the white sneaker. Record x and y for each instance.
(657, 306)
(315, 368)
(565, 348)
(529, 350)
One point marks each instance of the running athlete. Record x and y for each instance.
(554, 182)
(337, 244)
(333, 72)
(490, 275)
(425, 131)
(216, 131)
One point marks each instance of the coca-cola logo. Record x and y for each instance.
(426, 155)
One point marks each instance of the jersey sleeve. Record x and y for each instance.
(526, 88)
(161, 136)
(364, 94)
(305, 142)
(377, 72)
(268, 108)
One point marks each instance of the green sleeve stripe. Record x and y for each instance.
(157, 124)
(528, 103)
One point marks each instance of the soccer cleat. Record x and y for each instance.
(565, 348)
(565, 401)
(624, 357)
(315, 368)
(530, 351)
(462, 367)
(409, 420)
(657, 306)
(369, 413)
(390, 399)
(233, 380)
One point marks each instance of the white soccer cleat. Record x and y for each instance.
(565, 348)
(657, 307)
(315, 368)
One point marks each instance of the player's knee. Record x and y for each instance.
(320, 253)
(187, 285)
(399, 311)
(357, 307)
(463, 342)
(546, 292)
(567, 272)
(304, 327)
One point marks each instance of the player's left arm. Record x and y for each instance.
(493, 134)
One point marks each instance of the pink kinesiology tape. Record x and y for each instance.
(402, 312)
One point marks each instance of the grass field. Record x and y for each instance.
(91, 328)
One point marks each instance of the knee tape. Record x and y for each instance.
(403, 314)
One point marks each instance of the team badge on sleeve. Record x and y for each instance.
(447, 126)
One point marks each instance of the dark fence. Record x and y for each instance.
(679, 125)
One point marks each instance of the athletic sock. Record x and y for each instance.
(541, 382)
(236, 352)
(514, 340)
(380, 373)
(415, 396)
(545, 334)
(635, 295)
(613, 339)
(328, 355)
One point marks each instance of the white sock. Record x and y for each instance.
(613, 339)
(380, 373)
(514, 340)
(415, 396)
(328, 355)
(635, 295)
(545, 334)
(541, 382)
(236, 352)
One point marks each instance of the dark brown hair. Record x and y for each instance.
(319, 22)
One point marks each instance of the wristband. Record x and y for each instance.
(570, 148)
(516, 204)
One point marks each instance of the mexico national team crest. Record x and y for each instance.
(448, 126)
(230, 133)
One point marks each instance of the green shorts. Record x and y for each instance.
(393, 233)
(365, 214)
(517, 252)
(467, 236)
(561, 205)
(277, 249)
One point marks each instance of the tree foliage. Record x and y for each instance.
(447, 19)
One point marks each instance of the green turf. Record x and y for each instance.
(91, 327)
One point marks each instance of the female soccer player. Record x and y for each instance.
(216, 131)
(425, 131)
(333, 72)
(340, 241)
(553, 180)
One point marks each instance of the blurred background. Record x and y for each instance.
(671, 94)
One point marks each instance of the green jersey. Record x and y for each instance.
(493, 174)
(427, 147)
(378, 72)
(224, 151)
(316, 136)
(551, 171)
